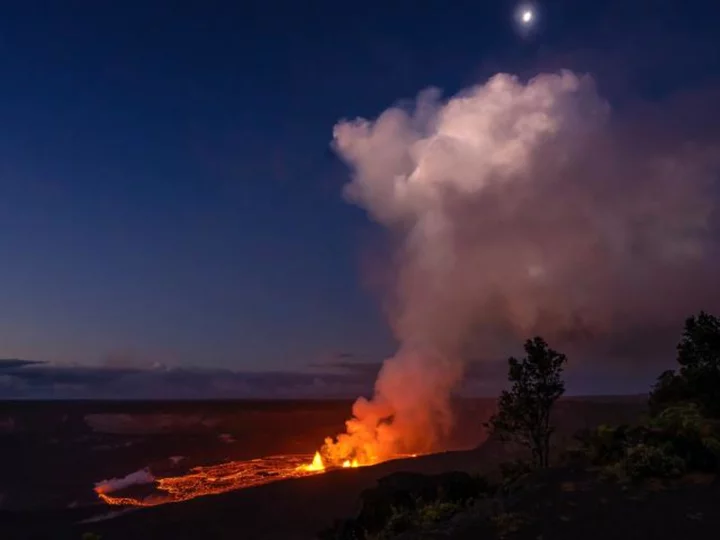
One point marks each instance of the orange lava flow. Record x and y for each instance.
(214, 479)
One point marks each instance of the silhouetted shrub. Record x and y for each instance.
(507, 523)
(400, 520)
(604, 444)
(677, 439)
(437, 511)
(645, 461)
(424, 516)
(608, 444)
(404, 500)
(698, 378)
(512, 472)
(615, 472)
(670, 388)
(686, 433)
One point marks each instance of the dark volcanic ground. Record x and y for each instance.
(52, 453)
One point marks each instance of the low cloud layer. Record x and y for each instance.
(35, 380)
(343, 378)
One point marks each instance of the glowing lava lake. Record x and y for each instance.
(214, 479)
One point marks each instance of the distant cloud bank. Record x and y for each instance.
(37, 380)
(343, 379)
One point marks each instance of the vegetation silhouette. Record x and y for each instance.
(523, 414)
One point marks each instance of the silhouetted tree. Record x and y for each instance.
(523, 414)
(698, 379)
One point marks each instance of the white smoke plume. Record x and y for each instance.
(518, 208)
(143, 476)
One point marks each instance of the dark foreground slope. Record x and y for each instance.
(286, 510)
(569, 504)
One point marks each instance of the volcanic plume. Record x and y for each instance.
(517, 208)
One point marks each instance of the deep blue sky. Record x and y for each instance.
(167, 191)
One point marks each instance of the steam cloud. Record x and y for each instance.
(518, 208)
(143, 476)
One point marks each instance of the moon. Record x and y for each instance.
(526, 18)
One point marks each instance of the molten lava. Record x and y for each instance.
(317, 464)
(214, 479)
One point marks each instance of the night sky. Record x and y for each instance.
(171, 212)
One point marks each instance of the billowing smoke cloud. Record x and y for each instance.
(518, 208)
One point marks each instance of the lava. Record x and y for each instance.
(317, 464)
(214, 479)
